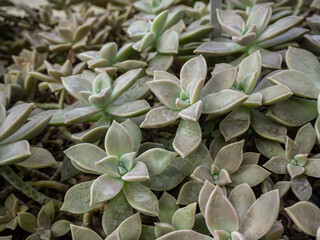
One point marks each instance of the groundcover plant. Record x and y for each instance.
(159, 119)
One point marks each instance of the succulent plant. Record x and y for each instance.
(306, 216)
(302, 78)
(246, 79)
(18, 79)
(103, 99)
(230, 168)
(15, 130)
(230, 218)
(154, 35)
(15, 149)
(282, 186)
(236, 219)
(130, 228)
(294, 160)
(69, 34)
(9, 212)
(79, 140)
(253, 34)
(311, 41)
(199, 11)
(120, 168)
(187, 99)
(109, 59)
(43, 226)
(55, 72)
(172, 218)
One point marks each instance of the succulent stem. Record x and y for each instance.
(49, 184)
(47, 106)
(25, 188)
(298, 7)
(214, 5)
(61, 99)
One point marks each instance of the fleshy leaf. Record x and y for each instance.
(192, 71)
(14, 152)
(274, 94)
(306, 216)
(29, 130)
(204, 195)
(79, 233)
(167, 207)
(293, 112)
(109, 165)
(303, 61)
(139, 173)
(231, 23)
(129, 109)
(60, 228)
(130, 228)
(219, 47)
(242, 197)
(184, 218)
(168, 43)
(104, 188)
(27, 221)
(39, 158)
(162, 228)
(221, 80)
(75, 84)
(13, 121)
(46, 216)
(269, 148)
(160, 117)
(116, 211)
(306, 138)
(118, 141)
(189, 192)
(86, 155)
(250, 174)
(267, 128)
(193, 112)
(77, 199)
(157, 160)
(188, 138)
(219, 213)
(276, 164)
(253, 226)
(222, 102)
(166, 180)
(249, 70)
(312, 168)
(159, 23)
(141, 198)
(301, 188)
(166, 91)
(236, 123)
(292, 149)
(307, 88)
(124, 82)
(230, 156)
(250, 158)
(260, 16)
(185, 234)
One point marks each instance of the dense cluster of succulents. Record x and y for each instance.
(160, 119)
